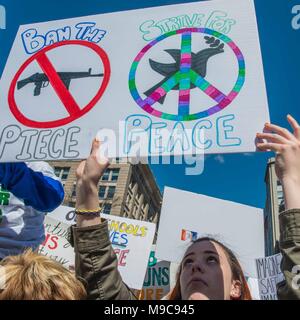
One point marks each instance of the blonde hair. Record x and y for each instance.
(31, 276)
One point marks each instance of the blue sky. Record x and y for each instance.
(234, 177)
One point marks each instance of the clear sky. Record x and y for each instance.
(235, 177)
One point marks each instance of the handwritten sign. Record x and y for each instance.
(56, 245)
(179, 70)
(157, 280)
(131, 240)
(269, 274)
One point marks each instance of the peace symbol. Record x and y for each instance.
(186, 77)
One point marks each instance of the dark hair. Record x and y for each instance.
(235, 267)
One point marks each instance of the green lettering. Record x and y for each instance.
(4, 198)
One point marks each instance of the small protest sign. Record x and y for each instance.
(269, 274)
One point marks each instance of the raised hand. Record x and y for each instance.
(91, 169)
(88, 175)
(286, 145)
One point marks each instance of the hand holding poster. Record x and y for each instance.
(152, 79)
(131, 240)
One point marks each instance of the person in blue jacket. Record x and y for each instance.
(28, 191)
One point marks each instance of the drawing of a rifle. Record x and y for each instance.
(41, 80)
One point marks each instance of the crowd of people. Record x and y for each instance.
(208, 270)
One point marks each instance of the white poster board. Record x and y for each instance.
(186, 216)
(153, 77)
(269, 274)
(56, 245)
(131, 240)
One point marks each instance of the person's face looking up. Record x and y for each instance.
(206, 274)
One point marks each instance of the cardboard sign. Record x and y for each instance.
(56, 245)
(152, 80)
(187, 216)
(269, 274)
(131, 240)
(157, 280)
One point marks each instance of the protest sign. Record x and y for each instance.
(186, 216)
(131, 240)
(56, 245)
(157, 280)
(151, 79)
(269, 274)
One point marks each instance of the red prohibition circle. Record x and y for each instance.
(73, 116)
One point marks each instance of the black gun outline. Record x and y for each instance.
(41, 80)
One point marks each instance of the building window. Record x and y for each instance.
(111, 192)
(105, 176)
(115, 174)
(102, 191)
(110, 175)
(62, 172)
(106, 208)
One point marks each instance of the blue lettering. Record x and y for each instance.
(197, 134)
(32, 42)
(223, 140)
(86, 32)
(135, 127)
(159, 139)
(124, 237)
(178, 135)
(114, 237)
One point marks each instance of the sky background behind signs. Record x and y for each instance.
(235, 177)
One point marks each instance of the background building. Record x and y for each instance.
(124, 190)
(274, 205)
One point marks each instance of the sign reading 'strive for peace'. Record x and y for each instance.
(151, 79)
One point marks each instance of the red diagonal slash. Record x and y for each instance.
(59, 87)
(74, 111)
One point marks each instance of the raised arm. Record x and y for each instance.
(287, 166)
(95, 260)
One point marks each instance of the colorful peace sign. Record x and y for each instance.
(185, 77)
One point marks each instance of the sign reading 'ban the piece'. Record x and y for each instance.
(150, 80)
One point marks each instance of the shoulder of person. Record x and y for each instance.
(43, 167)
